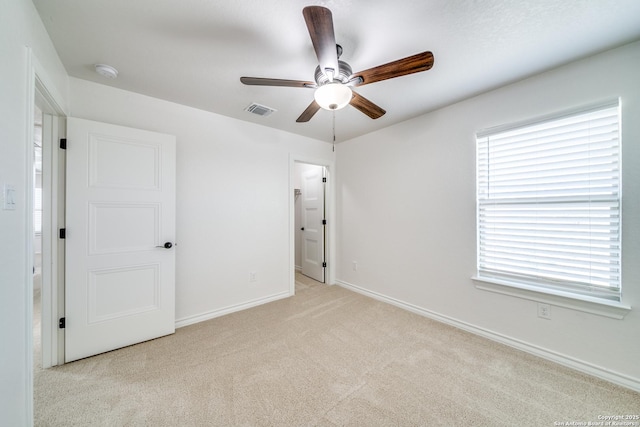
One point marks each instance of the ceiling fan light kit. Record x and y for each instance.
(333, 96)
(334, 89)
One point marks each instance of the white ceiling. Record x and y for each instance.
(193, 52)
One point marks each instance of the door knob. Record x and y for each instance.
(167, 245)
(302, 229)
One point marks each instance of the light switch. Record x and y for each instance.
(9, 197)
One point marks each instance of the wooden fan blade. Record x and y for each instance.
(307, 114)
(366, 106)
(409, 65)
(320, 25)
(259, 81)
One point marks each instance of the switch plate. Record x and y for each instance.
(9, 197)
(253, 277)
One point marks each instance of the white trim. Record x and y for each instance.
(600, 307)
(38, 84)
(28, 211)
(562, 359)
(46, 94)
(48, 269)
(550, 117)
(197, 318)
(46, 87)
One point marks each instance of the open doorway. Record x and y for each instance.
(47, 207)
(45, 117)
(310, 221)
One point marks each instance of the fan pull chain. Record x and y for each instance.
(334, 130)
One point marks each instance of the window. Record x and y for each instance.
(548, 204)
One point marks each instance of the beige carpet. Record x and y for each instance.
(326, 357)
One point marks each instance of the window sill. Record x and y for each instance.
(612, 309)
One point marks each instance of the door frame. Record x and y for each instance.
(41, 87)
(52, 294)
(329, 206)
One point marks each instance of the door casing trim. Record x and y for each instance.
(41, 85)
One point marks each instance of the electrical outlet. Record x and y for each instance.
(253, 277)
(544, 311)
(354, 265)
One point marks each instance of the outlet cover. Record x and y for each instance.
(544, 311)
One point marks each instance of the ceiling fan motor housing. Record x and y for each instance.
(342, 76)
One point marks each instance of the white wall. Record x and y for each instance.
(406, 214)
(233, 196)
(20, 26)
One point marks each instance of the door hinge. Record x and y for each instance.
(62, 233)
(324, 222)
(324, 264)
(63, 143)
(62, 323)
(324, 179)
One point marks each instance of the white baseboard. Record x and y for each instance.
(190, 320)
(579, 365)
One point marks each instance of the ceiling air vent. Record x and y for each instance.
(260, 110)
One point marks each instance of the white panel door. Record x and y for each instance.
(120, 278)
(312, 218)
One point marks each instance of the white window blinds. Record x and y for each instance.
(549, 203)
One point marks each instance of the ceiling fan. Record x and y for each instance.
(334, 78)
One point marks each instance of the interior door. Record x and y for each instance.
(120, 226)
(312, 222)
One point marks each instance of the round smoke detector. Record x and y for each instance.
(107, 71)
